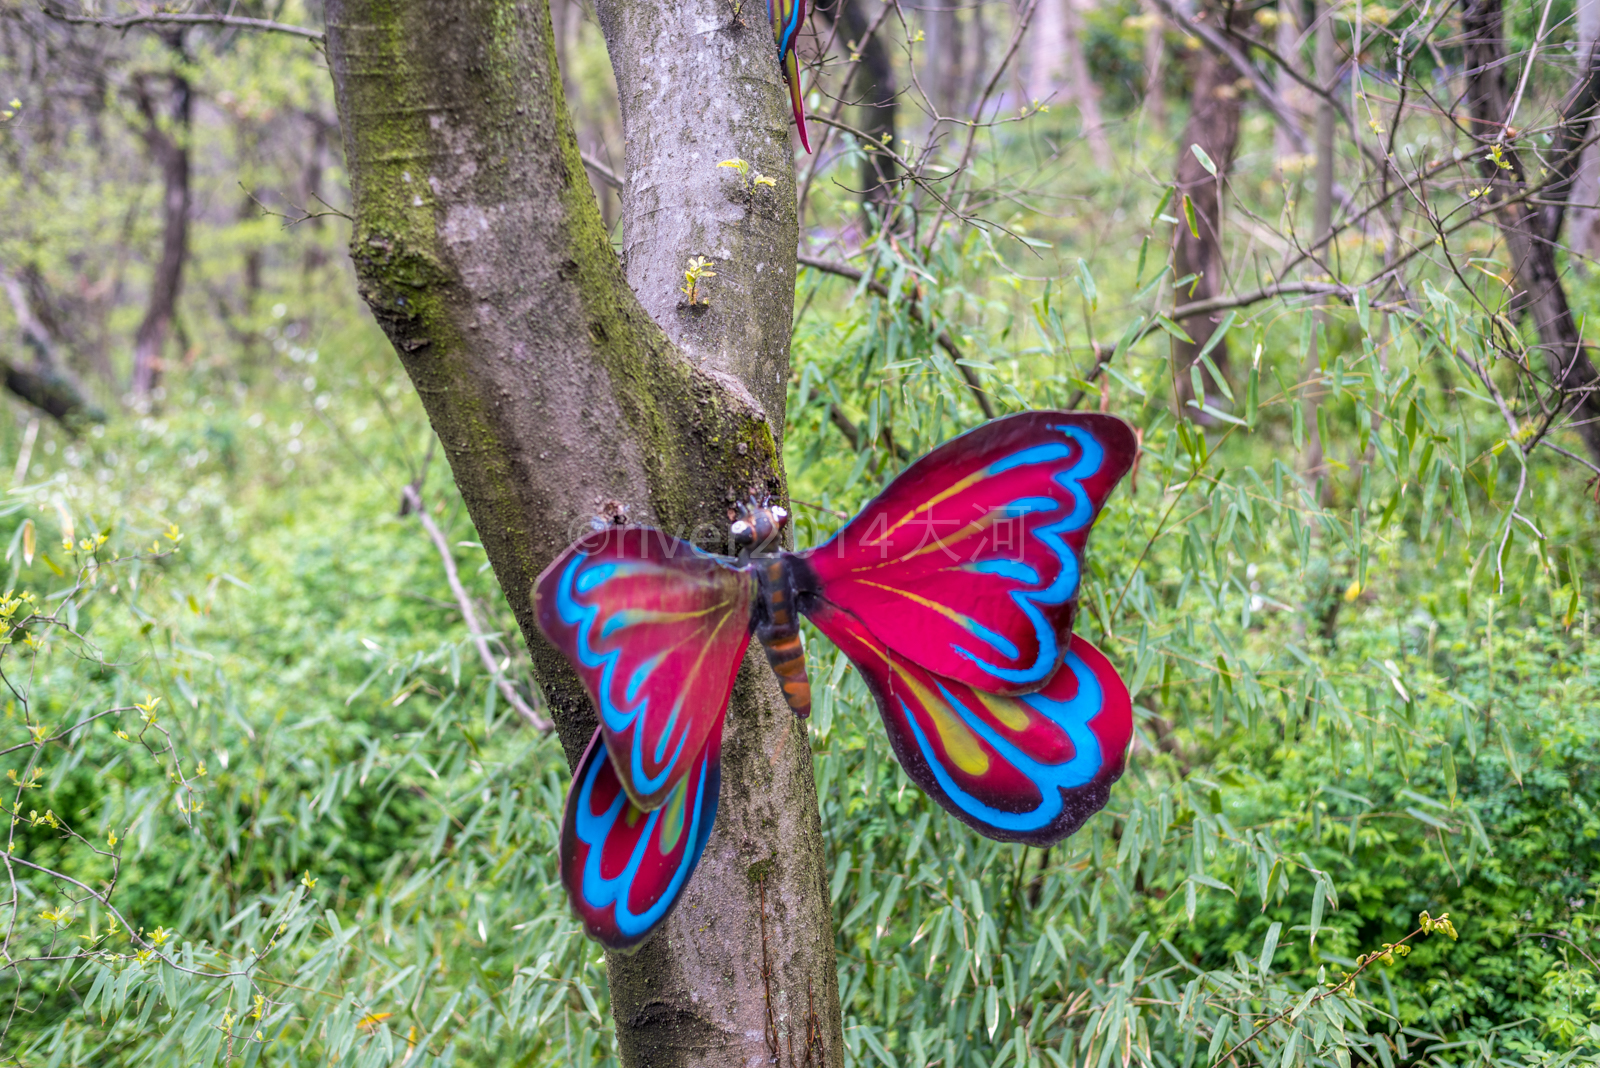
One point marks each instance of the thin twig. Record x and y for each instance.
(414, 499)
(128, 21)
(601, 171)
(944, 340)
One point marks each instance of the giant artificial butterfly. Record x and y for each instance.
(952, 593)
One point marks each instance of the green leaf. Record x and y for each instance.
(1173, 328)
(1161, 205)
(1086, 286)
(1206, 880)
(1205, 160)
(1188, 216)
(1269, 948)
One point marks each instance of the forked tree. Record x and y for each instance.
(565, 382)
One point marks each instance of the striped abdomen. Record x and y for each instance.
(779, 632)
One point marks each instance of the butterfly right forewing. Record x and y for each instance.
(970, 562)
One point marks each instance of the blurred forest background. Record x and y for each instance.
(278, 787)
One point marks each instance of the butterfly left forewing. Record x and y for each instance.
(624, 868)
(1018, 769)
(656, 631)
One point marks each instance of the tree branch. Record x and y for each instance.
(468, 616)
(125, 22)
(1225, 48)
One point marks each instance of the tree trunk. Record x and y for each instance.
(1155, 49)
(1084, 92)
(872, 87)
(1326, 66)
(42, 381)
(1214, 126)
(1049, 29)
(167, 137)
(695, 89)
(1287, 41)
(1583, 235)
(479, 247)
(1540, 294)
(942, 75)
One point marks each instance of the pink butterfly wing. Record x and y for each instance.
(624, 868)
(1019, 769)
(969, 563)
(656, 630)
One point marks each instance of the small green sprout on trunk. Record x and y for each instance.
(749, 180)
(699, 269)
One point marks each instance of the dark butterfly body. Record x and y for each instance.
(952, 593)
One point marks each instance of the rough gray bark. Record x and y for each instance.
(697, 87)
(1540, 294)
(480, 249)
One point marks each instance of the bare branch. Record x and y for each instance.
(468, 615)
(125, 22)
(944, 340)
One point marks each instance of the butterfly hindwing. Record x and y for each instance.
(1019, 769)
(656, 630)
(624, 868)
(970, 561)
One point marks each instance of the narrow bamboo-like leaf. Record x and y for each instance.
(1269, 949)
(1087, 287)
(1161, 205)
(1188, 216)
(1206, 880)
(1173, 328)
(1205, 160)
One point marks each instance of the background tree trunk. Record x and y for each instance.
(42, 381)
(1325, 69)
(943, 75)
(1155, 49)
(1533, 263)
(1085, 94)
(1049, 29)
(872, 88)
(1214, 126)
(480, 249)
(1287, 41)
(167, 136)
(1583, 232)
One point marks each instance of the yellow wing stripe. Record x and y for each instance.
(960, 487)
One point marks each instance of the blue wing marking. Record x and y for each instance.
(1065, 587)
(599, 891)
(1072, 716)
(581, 617)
